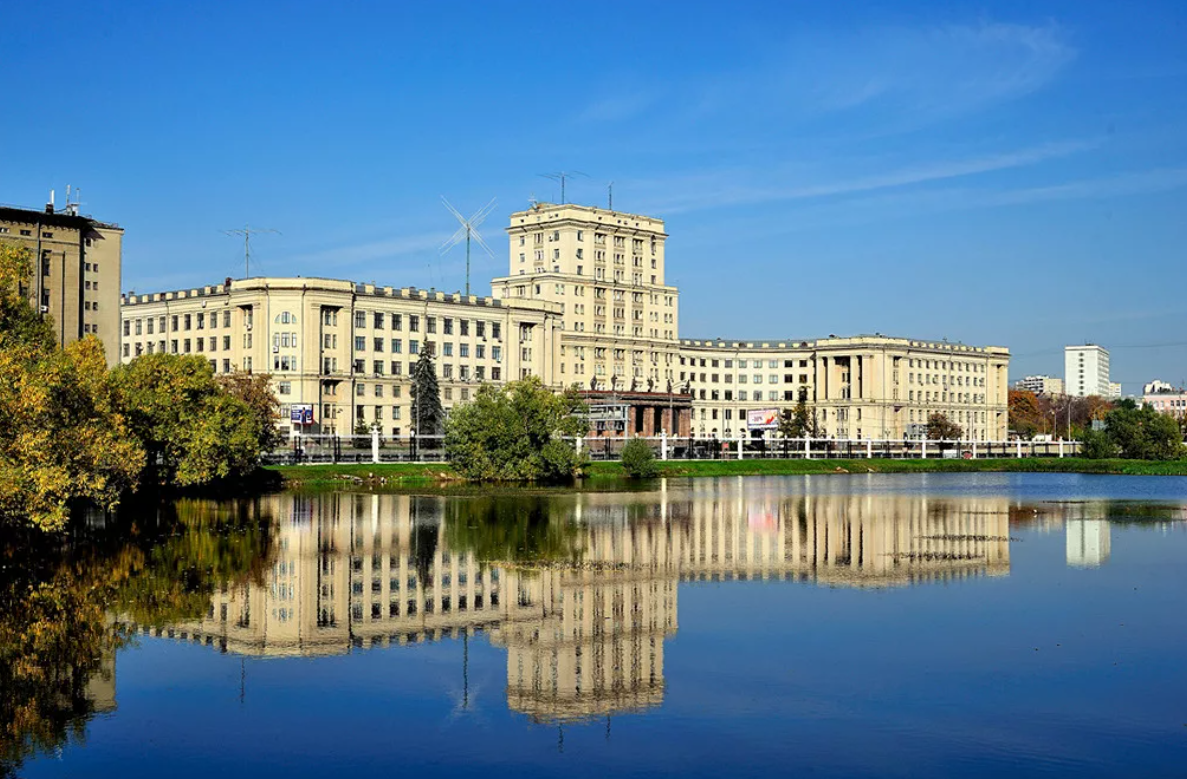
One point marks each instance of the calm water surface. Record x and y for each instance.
(907, 625)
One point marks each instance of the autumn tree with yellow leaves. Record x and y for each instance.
(63, 437)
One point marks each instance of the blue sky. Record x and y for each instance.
(1009, 173)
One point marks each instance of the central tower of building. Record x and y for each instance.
(606, 270)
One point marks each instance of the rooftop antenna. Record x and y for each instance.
(610, 196)
(562, 176)
(468, 230)
(247, 232)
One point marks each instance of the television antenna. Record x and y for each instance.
(468, 231)
(247, 232)
(562, 176)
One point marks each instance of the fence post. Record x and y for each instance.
(923, 449)
(974, 448)
(1019, 448)
(1061, 447)
(807, 447)
(663, 445)
(739, 440)
(374, 444)
(869, 449)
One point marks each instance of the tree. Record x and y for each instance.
(638, 459)
(1138, 434)
(193, 431)
(799, 421)
(255, 389)
(940, 428)
(516, 432)
(1026, 415)
(64, 436)
(427, 414)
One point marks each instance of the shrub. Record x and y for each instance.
(638, 460)
(1096, 445)
(516, 433)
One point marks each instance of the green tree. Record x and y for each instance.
(799, 421)
(255, 389)
(638, 459)
(193, 431)
(427, 414)
(64, 437)
(1143, 433)
(940, 428)
(516, 432)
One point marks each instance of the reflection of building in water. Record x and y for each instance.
(598, 644)
(584, 633)
(355, 570)
(864, 539)
(100, 689)
(1088, 542)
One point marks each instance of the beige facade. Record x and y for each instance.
(585, 302)
(347, 349)
(605, 269)
(873, 387)
(76, 272)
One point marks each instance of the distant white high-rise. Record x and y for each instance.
(1086, 371)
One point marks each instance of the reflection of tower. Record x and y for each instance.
(1088, 542)
(596, 647)
(100, 689)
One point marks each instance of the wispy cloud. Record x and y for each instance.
(733, 189)
(363, 253)
(938, 70)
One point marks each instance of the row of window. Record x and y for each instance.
(380, 321)
(178, 346)
(178, 322)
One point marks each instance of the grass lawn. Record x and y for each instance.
(413, 474)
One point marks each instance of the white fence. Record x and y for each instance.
(375, 448)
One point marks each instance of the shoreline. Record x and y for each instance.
(421, 474)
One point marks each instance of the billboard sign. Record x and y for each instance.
(762, 418)
(301, 413)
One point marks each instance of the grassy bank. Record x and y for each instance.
(416, 474)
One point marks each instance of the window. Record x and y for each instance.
(360, 319)
(378, 320)
(414, 323)
(284, 388)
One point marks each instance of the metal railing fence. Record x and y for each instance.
(376, 448)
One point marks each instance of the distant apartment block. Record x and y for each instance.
(1166, 399)
(75, 275)
(1086, 371)
(1042, 385)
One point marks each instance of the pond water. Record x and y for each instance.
(881, 625)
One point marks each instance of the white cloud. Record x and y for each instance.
(733, 189)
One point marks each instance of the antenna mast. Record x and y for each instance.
(563, 176)
(610, 196)
(468, 231)
(247, 232)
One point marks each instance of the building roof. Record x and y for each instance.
(36, 216)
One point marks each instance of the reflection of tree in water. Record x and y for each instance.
(529, 529)
(56, 596)
(1136, 512)
(426, 530)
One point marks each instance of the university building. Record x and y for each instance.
(585, 303)
(75, 278)
(344, 350)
